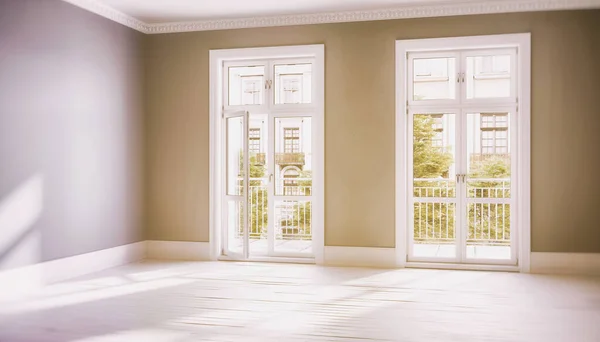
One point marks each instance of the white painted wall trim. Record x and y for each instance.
(359, 257)
(108, 12)
(404, 12)
(178, 250)
(566, 263)
(464, 267)
(27, 279)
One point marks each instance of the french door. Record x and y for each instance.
(462, 110)
(268, 141)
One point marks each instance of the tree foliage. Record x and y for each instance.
(428, 161)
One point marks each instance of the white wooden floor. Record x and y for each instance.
(223, 301)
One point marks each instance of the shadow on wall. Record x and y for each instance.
(20, 239)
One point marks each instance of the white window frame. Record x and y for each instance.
(514, 86)
(243, 63)
(522, 43)
(451, 79)
(217, 105)
(293, 106)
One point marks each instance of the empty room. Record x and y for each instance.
(310, 170)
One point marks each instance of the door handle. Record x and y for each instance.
(270, 178)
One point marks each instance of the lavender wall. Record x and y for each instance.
(71, 143)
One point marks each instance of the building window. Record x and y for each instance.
(290, 182)
(251, 87)
(291, 140)
(291, 87)
(290, 187)
(494, 133)
(254, 140)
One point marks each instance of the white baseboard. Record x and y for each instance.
(360, 256)
(26, 279)
(566, 263)
(178, 250)
(23, 280)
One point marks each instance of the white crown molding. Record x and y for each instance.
(404, 12)
(418, 11)
(110, 13)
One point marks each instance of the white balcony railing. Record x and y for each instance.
(292, 218)
(435, 211)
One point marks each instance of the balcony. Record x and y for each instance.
(488, 223)
(291, 222)
(289, 159)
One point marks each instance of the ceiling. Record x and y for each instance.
(161, 11)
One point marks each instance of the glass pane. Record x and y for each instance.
(434, 185)
(293, 156)
(488, 76)
(488, 185)
(293, 83)
(293, 227)
(434, 230)
(434, 79)
(258, 206)
(434, 155)
(235, 156)
(246, 85)
(488, 155)
(235, 228)
(489, 231)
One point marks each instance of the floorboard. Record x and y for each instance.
(228, 301)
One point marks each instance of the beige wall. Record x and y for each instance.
(359, 124)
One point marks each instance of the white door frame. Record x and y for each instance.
(216, 108)
(523, 146)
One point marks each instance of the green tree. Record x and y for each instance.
(428, 161)
(491, 166)
(306, 182)
(257, 199)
